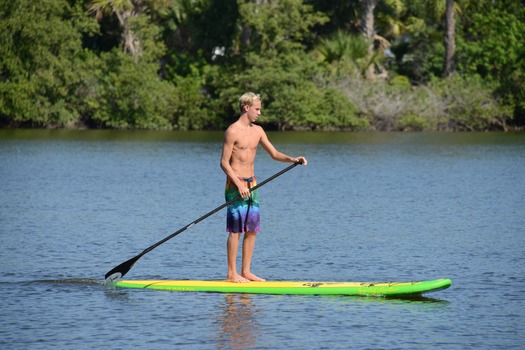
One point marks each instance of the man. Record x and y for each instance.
(238, 155)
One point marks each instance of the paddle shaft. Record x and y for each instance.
(123, 268)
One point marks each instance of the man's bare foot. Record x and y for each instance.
(251, 277)
(236, 279)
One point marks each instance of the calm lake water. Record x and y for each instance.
(368, 207)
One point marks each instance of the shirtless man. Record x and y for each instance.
(238, 155)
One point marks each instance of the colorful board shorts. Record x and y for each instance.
(242, 215)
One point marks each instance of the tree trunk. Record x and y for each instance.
(130, 41)
(367, 27)
(450, 42)
(246, 35)
(123, 11)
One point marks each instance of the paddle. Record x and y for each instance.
(123, 268)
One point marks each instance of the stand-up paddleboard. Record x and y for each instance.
(280, 287)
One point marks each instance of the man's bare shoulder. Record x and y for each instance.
(232, 131)
(258, 128)
(260, 131)
(236, 129)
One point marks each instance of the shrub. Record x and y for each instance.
(469, 104)
(451, 104)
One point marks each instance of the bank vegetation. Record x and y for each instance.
(389, 65)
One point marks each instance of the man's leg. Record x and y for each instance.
(247, 253)
(232, 247)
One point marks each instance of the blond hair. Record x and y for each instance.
(248, 99)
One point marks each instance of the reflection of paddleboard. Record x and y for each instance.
(281, 287)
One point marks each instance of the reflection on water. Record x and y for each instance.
(418, 299)
(239, 329)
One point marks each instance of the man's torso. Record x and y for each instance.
(245, 149)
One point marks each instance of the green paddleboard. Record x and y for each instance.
(288, 287)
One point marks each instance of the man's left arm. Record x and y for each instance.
(275, 154)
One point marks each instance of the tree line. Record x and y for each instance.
(318, 64)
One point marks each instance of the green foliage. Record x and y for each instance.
(390, 106)
(488, 50)
(451, 104)
(492, 47)
(200, 26)
(287, 77)
(293, 94)
(279, 25)
(40, 51)
(419, 55)
(469, 104)
(347, 53)
(400, 80)
(342, 15)
(411, 122)
(161, 64)
(512, 90)
(149, 34)
(121, 93)
(340, 112)
(193, 110)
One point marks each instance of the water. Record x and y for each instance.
(367, 207)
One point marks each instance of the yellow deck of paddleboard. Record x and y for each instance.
(284, 287)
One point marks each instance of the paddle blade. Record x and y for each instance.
(121, 270)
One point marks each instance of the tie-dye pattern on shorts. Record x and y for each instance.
(242, 215)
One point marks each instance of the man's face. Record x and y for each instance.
(254, 111)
